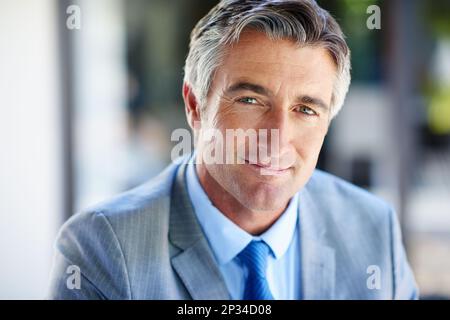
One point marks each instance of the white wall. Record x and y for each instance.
(30, 170)
(100, 102)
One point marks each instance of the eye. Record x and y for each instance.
(306, 110)
(248, 100)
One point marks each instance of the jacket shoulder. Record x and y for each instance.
(140, 206)
(328, 188)
(103, 239)
(146, 196)
(364, 231)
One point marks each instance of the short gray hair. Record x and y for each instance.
(303, 21)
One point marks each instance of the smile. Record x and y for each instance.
(267, 169)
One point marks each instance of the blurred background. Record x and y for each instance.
(90, 94)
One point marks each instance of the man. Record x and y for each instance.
(265, 225)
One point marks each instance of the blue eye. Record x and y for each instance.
(248, 100)
(306, 110)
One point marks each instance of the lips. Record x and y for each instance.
(267, 168)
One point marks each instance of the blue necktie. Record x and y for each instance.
(254, 257)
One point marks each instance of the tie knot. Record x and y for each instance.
(254, 257)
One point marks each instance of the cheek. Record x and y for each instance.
(309, 142)
(233, 118)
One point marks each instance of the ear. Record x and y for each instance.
(191, 106)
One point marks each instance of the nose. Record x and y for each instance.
(279, 136)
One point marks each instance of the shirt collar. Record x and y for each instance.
(225, 237)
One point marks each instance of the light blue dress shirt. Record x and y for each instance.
(227, 240)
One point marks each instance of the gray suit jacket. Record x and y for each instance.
(147, 244)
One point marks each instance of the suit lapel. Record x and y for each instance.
(199, 273)
(318, 259)
(195, 265)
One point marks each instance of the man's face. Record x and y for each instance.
(269, 84)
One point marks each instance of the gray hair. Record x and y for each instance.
(303, 21)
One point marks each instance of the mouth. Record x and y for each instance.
(267, 169)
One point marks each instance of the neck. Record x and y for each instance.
(254, 222)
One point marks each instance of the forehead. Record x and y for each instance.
(276, 63)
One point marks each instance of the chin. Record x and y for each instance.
(264, 197)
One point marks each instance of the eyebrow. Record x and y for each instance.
(248, 86)
(243, 85)
(314, 101)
